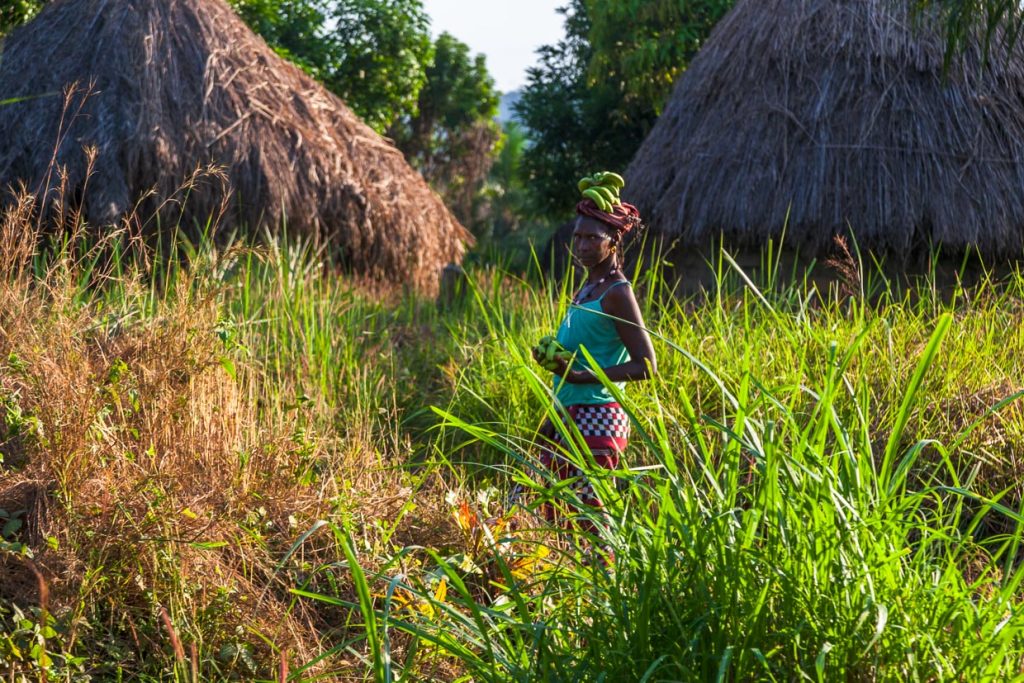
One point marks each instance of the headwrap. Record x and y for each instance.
(623, 218)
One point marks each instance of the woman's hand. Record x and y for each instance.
(536, 356)
(561, 368)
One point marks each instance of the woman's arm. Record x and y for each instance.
(620, 304)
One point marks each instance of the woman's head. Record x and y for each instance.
(594, 241)
(598, 234)
(622, 218)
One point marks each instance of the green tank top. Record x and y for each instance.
(586, 325)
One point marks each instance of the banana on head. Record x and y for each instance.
(613, 180)
(609, 196)
(595, 196)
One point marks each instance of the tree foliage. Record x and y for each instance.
(16, 12)
(506, 192)
(372, 53)
(384, 49)
(458, 92)
(596, 94)
(556, 108)
(589, 102)
(295, 29)
(451, 139)
(644, 45)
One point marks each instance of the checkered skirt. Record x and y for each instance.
(605, 430)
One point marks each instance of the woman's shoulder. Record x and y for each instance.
(619, 295)
(618, 289)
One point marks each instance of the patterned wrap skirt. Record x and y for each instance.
(605, 430)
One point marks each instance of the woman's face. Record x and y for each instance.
(592, 242)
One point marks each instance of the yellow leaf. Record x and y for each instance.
(442, 590)
(530, 564)
(399, 598)
(465, 517)
(498, 524)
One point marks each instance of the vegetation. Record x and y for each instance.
(16, 12)
(642, 46)
(384, 51)
(998, 21)
(435, 100)
(239, 465)
(231, 464)
(296, 30)
(508, 196)
(453, 138)
(594, 95)
(589, 102)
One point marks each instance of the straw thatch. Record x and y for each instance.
(825, 117)
(181, 84)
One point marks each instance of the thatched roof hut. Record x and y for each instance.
(179, 84)
(824, 117)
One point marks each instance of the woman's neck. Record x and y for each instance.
(602, 269)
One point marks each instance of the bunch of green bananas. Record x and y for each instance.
(603, 189)
(548, 349)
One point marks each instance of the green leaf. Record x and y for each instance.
(229, 367)
(11, 528)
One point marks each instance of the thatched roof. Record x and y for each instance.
(184, 83)
(835, 115)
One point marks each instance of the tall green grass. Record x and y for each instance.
(801, 503)
(817, 486)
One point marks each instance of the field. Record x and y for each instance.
(239, 465)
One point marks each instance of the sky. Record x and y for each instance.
(507, 31)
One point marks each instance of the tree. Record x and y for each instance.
(594, 95)
(16, 12)
(458, 92)
(644, 45)
(992, 19)
(506, 192)
(576, 125)
(451, 139)
(295, 29)
(373, 54)
(384, 51)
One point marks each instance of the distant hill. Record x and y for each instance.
(505, 111)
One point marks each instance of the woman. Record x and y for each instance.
(605, 319)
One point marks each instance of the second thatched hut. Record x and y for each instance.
(176, 85)
(814, 118)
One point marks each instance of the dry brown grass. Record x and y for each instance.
(153, 480)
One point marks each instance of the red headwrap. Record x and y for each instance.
(623, 218)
